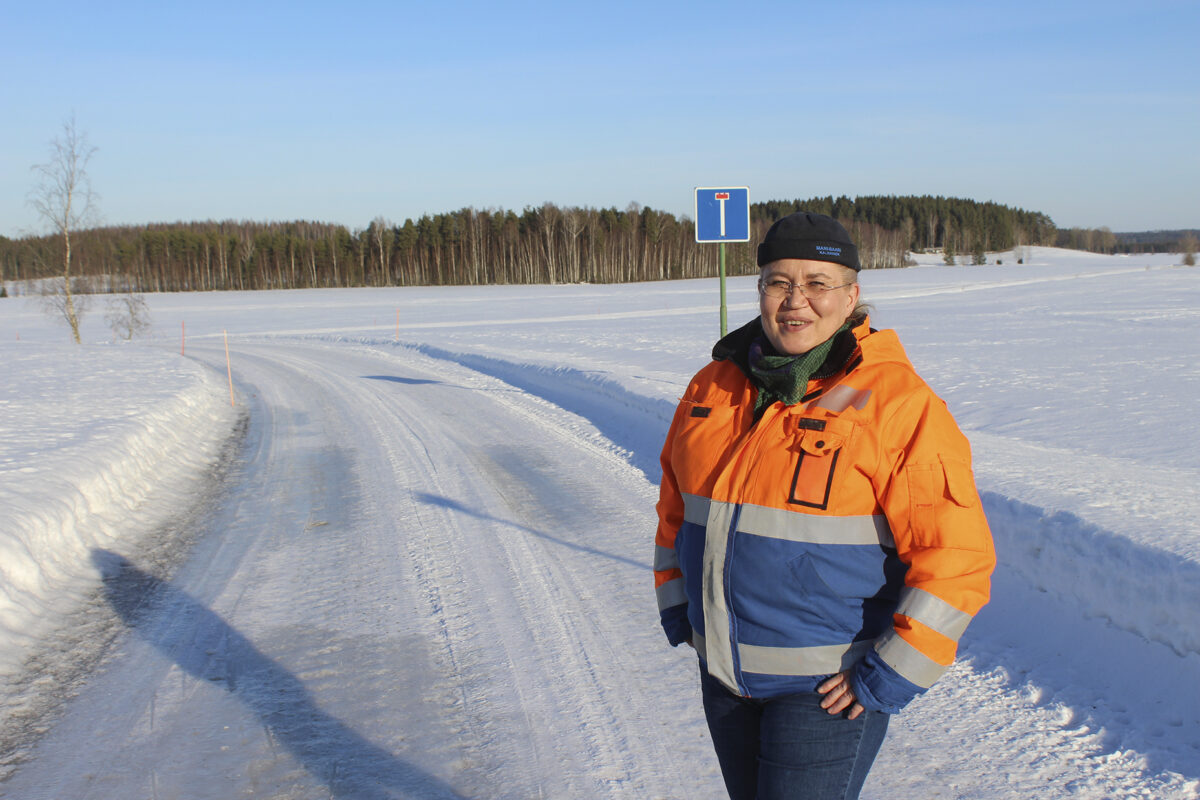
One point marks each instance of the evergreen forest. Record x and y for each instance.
(546, 244)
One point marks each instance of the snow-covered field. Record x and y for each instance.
(411, 560)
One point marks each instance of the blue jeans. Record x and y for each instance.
(789, 748)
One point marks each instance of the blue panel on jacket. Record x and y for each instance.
(689, 547)
(790, 594)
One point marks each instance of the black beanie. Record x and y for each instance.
(810, 236)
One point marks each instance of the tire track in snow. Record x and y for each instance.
(532, 714)
(509, 577)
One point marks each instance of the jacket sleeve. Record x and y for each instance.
(668, 577)
(927, 492)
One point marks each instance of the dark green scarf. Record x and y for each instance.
(785, 378)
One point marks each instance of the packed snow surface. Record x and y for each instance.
(406, 554)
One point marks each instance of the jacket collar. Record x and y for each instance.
(735, 347)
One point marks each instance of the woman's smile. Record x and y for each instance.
(796, 323)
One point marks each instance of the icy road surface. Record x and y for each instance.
(418, 588)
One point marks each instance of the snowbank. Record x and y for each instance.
(97, 446)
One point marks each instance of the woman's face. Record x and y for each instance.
(795, 324)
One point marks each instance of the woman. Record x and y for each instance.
(821, 542)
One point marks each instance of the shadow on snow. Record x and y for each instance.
(397, 379)
(346, 763)
(454, 505)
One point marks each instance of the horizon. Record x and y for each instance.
(1083, 111)
(397, 223)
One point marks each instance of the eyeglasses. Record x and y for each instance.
(810, 289)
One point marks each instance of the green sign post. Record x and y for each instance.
(723, 215)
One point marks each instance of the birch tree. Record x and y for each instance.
(63, 198)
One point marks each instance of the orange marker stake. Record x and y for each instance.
(228, 367)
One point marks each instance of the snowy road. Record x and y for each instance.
(400, 597)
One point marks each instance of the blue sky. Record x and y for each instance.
(1087, 111)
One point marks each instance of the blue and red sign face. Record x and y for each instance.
(723, 214)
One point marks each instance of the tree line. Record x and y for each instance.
(929, 223)
(548, 244)
(1103, 240)
(545, 244)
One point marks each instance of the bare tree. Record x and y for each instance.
(380, 234)
(550, 219)
(67, 299)
(127, 315)
(908, 232)
(1107, 240)
(63, 198)
(948, 254)
(1188, 246)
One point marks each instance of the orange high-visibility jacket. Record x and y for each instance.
(843, 531)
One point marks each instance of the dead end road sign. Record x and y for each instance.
(722, 214)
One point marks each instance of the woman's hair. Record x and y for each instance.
(859, 313)
(862, 307)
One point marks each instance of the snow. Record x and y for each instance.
(96, 443)
(411, 560)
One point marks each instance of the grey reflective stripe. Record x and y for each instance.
(698, 643)
(797, 526)
(670, 594)
(907, 660)
(695, 509)
(821, 660)
(841, 397)
(665, 558)
(717, 646)
(932, 611)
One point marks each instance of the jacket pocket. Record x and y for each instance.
(702, 441)
(816, 603)
(817, 451)
(938, 494)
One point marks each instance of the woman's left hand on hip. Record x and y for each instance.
(839, 696)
